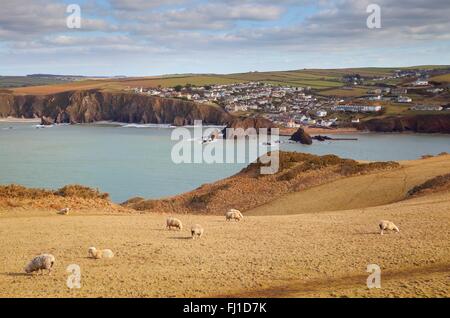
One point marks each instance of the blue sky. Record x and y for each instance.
(153, 37)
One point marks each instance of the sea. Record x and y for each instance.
(138, 160)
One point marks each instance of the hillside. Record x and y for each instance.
(428, 123)
(305, 254)
(374, 189)
(304, 184)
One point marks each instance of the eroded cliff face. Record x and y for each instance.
(91, 106)
(419, 123)
(242, 123)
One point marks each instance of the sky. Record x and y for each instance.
(156, 37)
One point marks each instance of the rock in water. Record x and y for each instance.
(47, 121)
(302, 137)
(237, 127)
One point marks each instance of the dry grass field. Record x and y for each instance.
(314, 253)
(306, 255)
(442, 78)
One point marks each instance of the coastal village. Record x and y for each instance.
(294, 106)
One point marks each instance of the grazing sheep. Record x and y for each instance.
(387, 225)
(40, 263)
(97, 254)
(233, 214)
(197, 231)
(174, 223)
(64, 211)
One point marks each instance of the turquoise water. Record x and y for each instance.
(128, 162)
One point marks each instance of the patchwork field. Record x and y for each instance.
(442, 78)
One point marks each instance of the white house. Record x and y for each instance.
(321, 113)
(377, 97)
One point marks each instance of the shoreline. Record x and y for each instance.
(19, 120)
(283, 132)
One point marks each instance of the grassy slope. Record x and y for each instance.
(442, 78)
(360, 191)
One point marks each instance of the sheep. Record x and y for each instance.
(233, 214)
(387, 225)
(64, 211)
(197, 231)
(40, 263)
(174, 223)
(97, 254)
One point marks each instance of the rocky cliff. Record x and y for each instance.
(237, 127)
(91, 106)
(418, 123)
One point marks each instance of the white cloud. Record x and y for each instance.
(217, 28)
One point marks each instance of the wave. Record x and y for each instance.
(220, 127)
(43, 126)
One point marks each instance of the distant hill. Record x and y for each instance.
(319, 79)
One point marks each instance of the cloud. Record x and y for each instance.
(157, 29)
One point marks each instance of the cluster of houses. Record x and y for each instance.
(358, 108)
(285, 105)
(296, 106)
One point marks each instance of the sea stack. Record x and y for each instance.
(237, 127)
(302, 137)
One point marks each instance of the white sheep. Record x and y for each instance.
(64, 211)
(387, 225)
(197, 231)
(233, 214)
(174, 223)
(97, 254)
(40, 263)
